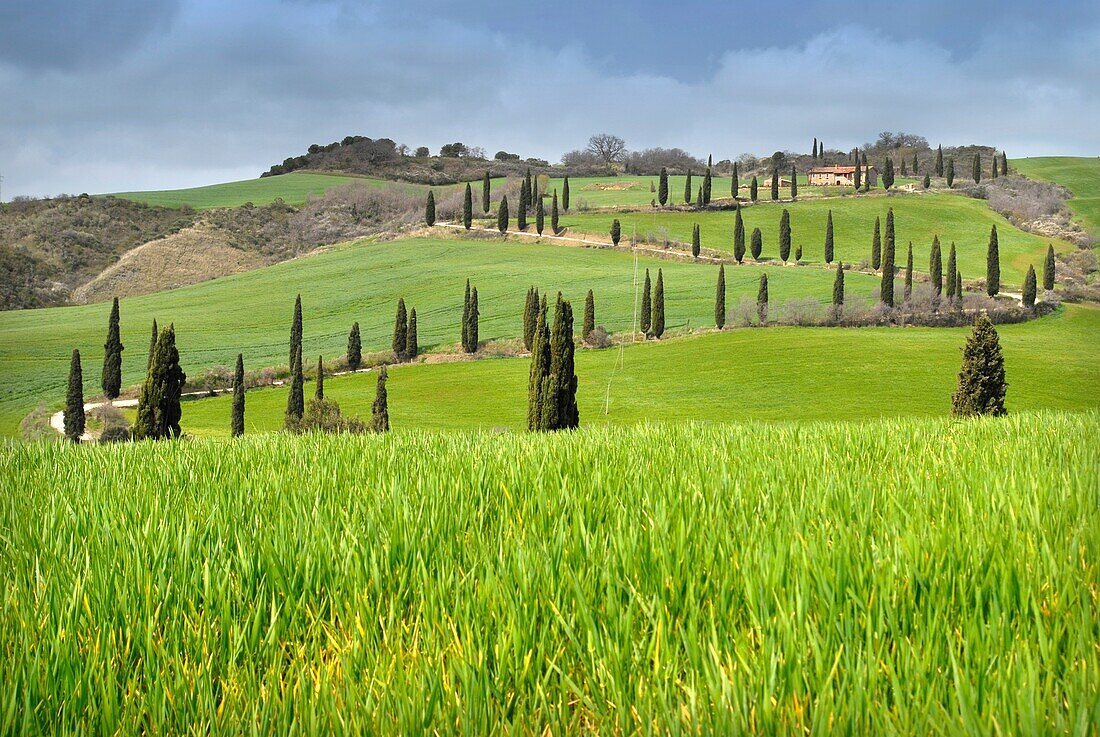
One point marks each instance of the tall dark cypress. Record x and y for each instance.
(468, 207)
(296, 330)
(687, 188)
(647, 305)
(976, 170)
(993, 265)
(159, 412)
(319, 388)
(528, 188)
(794, 183)
(564, 197)
(935, 269)
(466, 319)
(857, 175)
(738, 236)
(472, 330)
(1029, 286)
(1048, 269)
(735, 182)
(236, 426)
(706, 187)
(530, 317)
(951, 272)
(981, 388)
(876, 246)
(994, 173)
(938, 166)
(112, 356)
(762, 299)
(720, 299)
(909, 274)
(775, 182)
(695, 245)
(838, 285)
(888, 174)
(561, 405)
(400, 331)
(521, 210)
(657, 325)
(502, 215)
(152, 345)
(886, 290)
(916, 166)
(589, 315)
(429, 210)
(74, 400)
(355, 347)
(754, 189)
(699, 197)
(533, 194)
(958, 287)
(380, 408)
(757, 243)
(785, 235)
(950, 173)
(540, 217)
(829, 238)
(412, 344)
(1004, 162)
(295, 400)
(540, 368)
(814, 154)
(662, 187)
(616, 231)
(554, 213)
(485, 186)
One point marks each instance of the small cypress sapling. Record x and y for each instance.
(554, 213)
(1029, 288)
(400, 330)
(794, 183)
(485, 193)
(720, 299)
(616, 231)
(981, 388)
(829, 238)
(909, 274)
(112, 356)
(468, 207)
(380, 409)
(540, 216)
(236, 426)
(926, 182)
(429, 210)
(658, 323)
(876, 246)
(935, 269)
(757, 243)
(412, 345)
(699, 197)
(951, 272)
(662, 188)
(502, 215)
(950, 174)
(838, 285)
(754, 187)
(739, 236)
(589, 315)
(695, 241)
(1048, 269)
(916, 166)
(785, 235)
(74, 400)
(564, 197)
(647, 305)
(762, 300)
(319, 391)
(798, 254)
(976, 172)
(687, 188)
(993, 265)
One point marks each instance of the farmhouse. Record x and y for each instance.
(840, 175)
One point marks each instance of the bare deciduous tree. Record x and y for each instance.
(606, 146)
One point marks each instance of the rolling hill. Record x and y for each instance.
(1079, 175)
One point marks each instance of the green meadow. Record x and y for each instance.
(1079, 175)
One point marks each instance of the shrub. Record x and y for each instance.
(115, 434)
(323, 415)
(598, 338)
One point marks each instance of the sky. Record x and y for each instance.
(114, 95)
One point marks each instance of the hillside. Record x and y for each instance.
(1079, 175)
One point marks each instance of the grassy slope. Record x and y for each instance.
(892, 578)
(1078, 174)
(293, 188)
(743, 374)
(251, 312)
(918, 217)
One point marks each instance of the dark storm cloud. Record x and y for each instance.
(210, 91)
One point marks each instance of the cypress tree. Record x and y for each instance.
(838, 285)
(319, 391)
(757, 243)
(1048, 269)
(994, 174)
(564, 197)
(658, 323)
(959, 286)
(903, 172)
(429, 210)
(794, 183)
(540, 216)
(540, 368)
(662, 187)
(295, 400)
(355, 348)
(981, 389)
(502, 215)
(74, 400)
(296, 330)
(888, 174)
(916, 166)
(939, 162)
(1004, 162)
(699, 197)
(112, 356)
(735, 184)
(412, 345)
(785, 235)
(707, 183)
(687, 188)
(558, 410)
(533, 195)
(472, 331)
(829, 238)
(589, 315)
(647, 305)
(775, 182)
(886, 290)
(993, 265)
(616, 231)
(950, 175)
(400, 331)
(926, 183)
(554, 213)
(754, 189)
(876, 246)
(466, 319)
(468, 207)
(695, 241)
(1029, 288)
(158, 413)
(951, 272)
(380, 408)
(798, 254)
(935, 269)
(814, 154)
(739, 236)
(153, 345)
(485, 193)
(720, 299)
(762, 300)
(530, 317)
(857, 175)
(976, 173)
(528, 189)
(236, 426)
(909, 274)
(521, 211)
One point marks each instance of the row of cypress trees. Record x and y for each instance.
(552, 384)
(653, 306)
(470, 316)
(405, 344)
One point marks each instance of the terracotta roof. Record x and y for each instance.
(837, 169)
